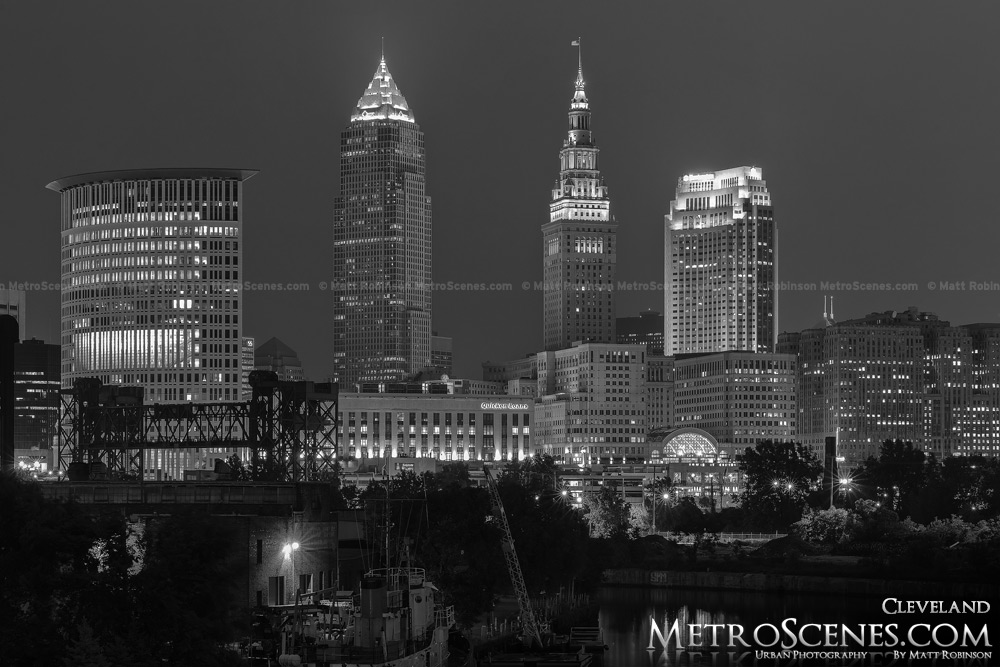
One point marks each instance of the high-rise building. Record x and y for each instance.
(741, 398)
(150, 273)
(579, 242)
(862, 382)
(12, 302)
(381, 242)
(278, 358)
(898, 376)
(593, 403)
(645, 329)
(721, 253)
(36, 394)
(442, 359)
(983, 427)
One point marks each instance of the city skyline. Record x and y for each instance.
(856, 112)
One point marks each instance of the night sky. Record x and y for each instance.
(877, 126)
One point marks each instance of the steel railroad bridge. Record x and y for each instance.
(286, 432)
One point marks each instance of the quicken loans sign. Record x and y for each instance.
(503, 406)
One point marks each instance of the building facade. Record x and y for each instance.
(720, 274)
(36, 394)
(150, 272)
(984, 420)
(860, 381)
(442, 426)
(579, 242)
(13, 302)
(592, 405)
(898, 376)
(247, 365)
(659, 391)
(442, 359)
(646, 328)
(381, 242)
(740, 398)
(278, 358)
(525, 368)
(265, 517)
(699, 467)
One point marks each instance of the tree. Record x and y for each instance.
(85, 650)
(549, 533)
(897, 477)
(187, 602)
(461, 550)
(608, 514)
(238, 471)
(536, 474)
(461, 546)
(828, 526)
(46, 567)
(778, 478)
(685, 516)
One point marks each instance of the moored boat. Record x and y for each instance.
(395, 621)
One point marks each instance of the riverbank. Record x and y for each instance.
(797, 583)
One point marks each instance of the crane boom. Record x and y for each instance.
(529, 624)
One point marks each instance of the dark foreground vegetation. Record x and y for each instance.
(87, 590)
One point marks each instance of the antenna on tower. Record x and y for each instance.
(578, 43)
(383, 49)
(824, 308)
(831, 307)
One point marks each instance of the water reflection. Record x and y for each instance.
(627, 614)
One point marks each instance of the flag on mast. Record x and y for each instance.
(576, 42)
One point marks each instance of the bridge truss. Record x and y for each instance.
(287, 432)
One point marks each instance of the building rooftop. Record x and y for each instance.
(382, 99)
(67, 182)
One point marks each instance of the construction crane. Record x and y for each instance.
(529, 624)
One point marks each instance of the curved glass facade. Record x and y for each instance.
(150, 281)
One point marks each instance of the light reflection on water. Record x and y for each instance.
(625, 619)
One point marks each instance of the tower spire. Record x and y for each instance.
(578, 43)
(383, 49)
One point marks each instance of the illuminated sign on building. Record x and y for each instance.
(504, 406)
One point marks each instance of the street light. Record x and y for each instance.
(289, 550)
(666, 497)
(845, 485)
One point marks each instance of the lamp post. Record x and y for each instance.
(666, 497)
(845, 487)
(289, 549)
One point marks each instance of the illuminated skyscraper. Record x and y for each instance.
(150, 274)
(381, 242)
(904, 375)
(721, 250)
(579, 242)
